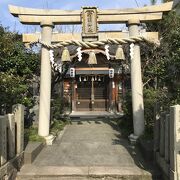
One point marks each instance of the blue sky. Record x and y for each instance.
(7, 20)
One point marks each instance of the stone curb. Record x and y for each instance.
(61, 171)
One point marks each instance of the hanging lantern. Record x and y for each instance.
(80, 78)
(95, 78)
(92, 58)
(65, 55)
(72, 72)
(120, 53)
(111, 73)
(99, 78)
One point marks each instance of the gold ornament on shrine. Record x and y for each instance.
(92, 58)
(120, 53)
(65, 55)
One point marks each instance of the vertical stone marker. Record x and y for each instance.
(11, 135)
(175, 142)
(3, 140)
(18, 111)
(167, 138)
(162, 134)
(156, 127)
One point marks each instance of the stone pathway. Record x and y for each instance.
(88, 148)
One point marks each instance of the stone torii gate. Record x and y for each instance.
(47, 19)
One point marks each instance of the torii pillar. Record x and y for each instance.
(45, 81)
(136, 83)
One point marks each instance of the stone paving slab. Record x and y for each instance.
(33, 170)
(119, 171)
(81, 171)
(60, 172)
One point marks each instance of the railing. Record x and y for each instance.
(11, 139)
(167, 142)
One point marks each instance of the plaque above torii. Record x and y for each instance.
(89, 24)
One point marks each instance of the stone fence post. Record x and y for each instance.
(162, 134)
(175, 142)
(11, 136)
(3, 140)
(156, 127)
(167, 138)
(18, 111)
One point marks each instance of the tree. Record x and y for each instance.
(161, 66)
(163, 62)
(17, 66)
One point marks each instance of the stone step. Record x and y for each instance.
(30, 172)
(94, 114)
(31, 151)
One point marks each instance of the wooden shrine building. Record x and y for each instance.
(93, 88)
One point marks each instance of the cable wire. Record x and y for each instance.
(136, 3)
